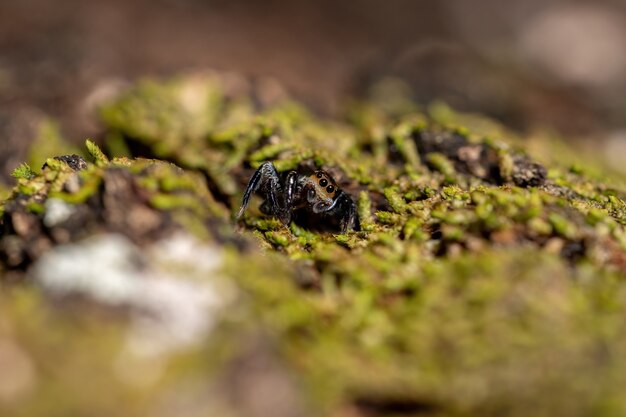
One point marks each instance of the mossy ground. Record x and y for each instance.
(486, 280)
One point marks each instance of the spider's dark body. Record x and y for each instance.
(309, 197)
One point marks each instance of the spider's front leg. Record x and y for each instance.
(346, 212)
(291, 188)
(266, 180)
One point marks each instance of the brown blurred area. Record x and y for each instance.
(529, 63)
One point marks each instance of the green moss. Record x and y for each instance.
(440, 340)
(442, 164)
(465, 293)
(100, 159)
(89, 187)
(395, 200)
(103, 196)
(388, 218)
(278, 238)
(365, 211)
(400, 134)
(540, 226)
(23, 171)
(562, 226)
(35, 208)
(167, 202)
(181, 110)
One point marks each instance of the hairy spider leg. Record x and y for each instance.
(291, 188)
(266, 172)
(350, 220)
(349, 215)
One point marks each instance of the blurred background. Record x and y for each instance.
(529, 63)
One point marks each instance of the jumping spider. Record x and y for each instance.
(309, 197)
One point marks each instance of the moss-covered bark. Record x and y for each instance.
(488, 278)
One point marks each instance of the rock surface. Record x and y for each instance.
(488, 278)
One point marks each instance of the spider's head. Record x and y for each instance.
(323, 192)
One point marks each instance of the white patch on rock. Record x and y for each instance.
(57, 211)
(182, 249)
(173, 289)
(104, 268)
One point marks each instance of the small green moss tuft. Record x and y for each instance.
(442, 164)
(96, 153)
(562, 226)
(23, 171)
(278, 238)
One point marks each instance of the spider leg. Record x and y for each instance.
(345, 208)
(265, 174)
(353, 222)
(291, 186)
(272, 201)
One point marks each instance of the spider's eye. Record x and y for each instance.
(330, 189)
(319, 175)
(323, 182)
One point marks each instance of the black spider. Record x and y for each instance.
(309, 197)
